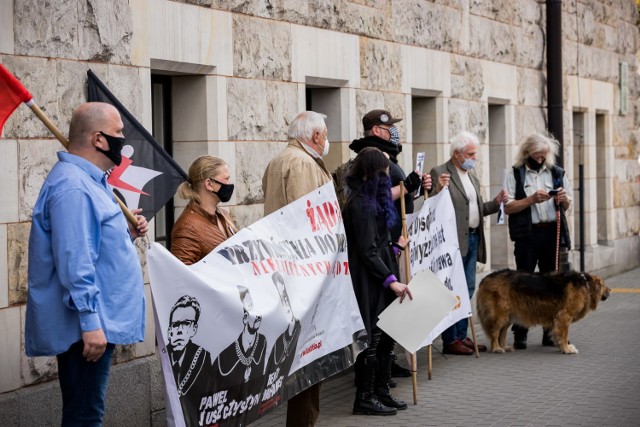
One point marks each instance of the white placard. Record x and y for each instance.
(410, 322)
(420, 162)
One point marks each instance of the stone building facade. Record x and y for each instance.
(225, 77)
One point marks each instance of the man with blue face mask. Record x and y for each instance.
(470, 210)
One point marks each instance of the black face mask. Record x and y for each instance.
(115, 147)
(225, 191)
(533, 164)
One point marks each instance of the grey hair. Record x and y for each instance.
(538, 142)
(304, 124)
(461, 141)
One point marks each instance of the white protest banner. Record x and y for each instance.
(434, 246)
(268, 313)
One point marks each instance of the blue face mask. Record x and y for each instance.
(468, 164)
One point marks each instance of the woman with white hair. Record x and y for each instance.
(538, 193)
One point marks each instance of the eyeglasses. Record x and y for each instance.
(182, 324)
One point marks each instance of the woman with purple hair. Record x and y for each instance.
(368, 215)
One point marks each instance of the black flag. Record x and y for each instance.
(148, 177)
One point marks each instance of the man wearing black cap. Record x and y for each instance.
(380, 132)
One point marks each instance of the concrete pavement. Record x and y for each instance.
(539, 386)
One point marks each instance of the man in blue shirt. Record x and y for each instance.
(86, 291)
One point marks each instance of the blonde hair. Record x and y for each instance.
(538, 142)
(202, 168)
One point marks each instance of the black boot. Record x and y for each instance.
(398, 371)
(546, 338)
(383, 374)
(366, 402)
(519, 336)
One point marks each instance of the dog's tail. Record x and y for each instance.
(482, 307)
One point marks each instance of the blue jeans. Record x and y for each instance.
(83, 385)
(458, 331)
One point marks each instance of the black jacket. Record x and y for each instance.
(194, 379)
(396, 173)
(520, 223)
(371, 258)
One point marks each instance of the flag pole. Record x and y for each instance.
(429, 352)
(407, 274)
(13, 85)
(48, 123)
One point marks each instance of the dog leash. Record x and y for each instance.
(558, 218)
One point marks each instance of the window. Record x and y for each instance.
(162, 132)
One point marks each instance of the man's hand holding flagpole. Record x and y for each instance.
(17, 93)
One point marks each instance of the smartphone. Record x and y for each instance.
(553, 192)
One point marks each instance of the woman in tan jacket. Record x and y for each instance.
(202, 226)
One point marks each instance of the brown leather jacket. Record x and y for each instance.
(196, 233)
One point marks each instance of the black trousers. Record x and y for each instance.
(537, 250)
(303, 409)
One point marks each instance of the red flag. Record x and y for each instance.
(12, 93)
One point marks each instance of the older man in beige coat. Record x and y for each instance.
(294, 172)
(298, 169)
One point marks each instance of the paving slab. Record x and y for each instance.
(538, 386)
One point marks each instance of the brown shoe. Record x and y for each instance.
(468, 342)
(457, 347)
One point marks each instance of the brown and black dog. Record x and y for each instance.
(553, 300)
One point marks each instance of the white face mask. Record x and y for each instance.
(325, 150)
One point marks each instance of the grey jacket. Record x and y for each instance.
(461, 206)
